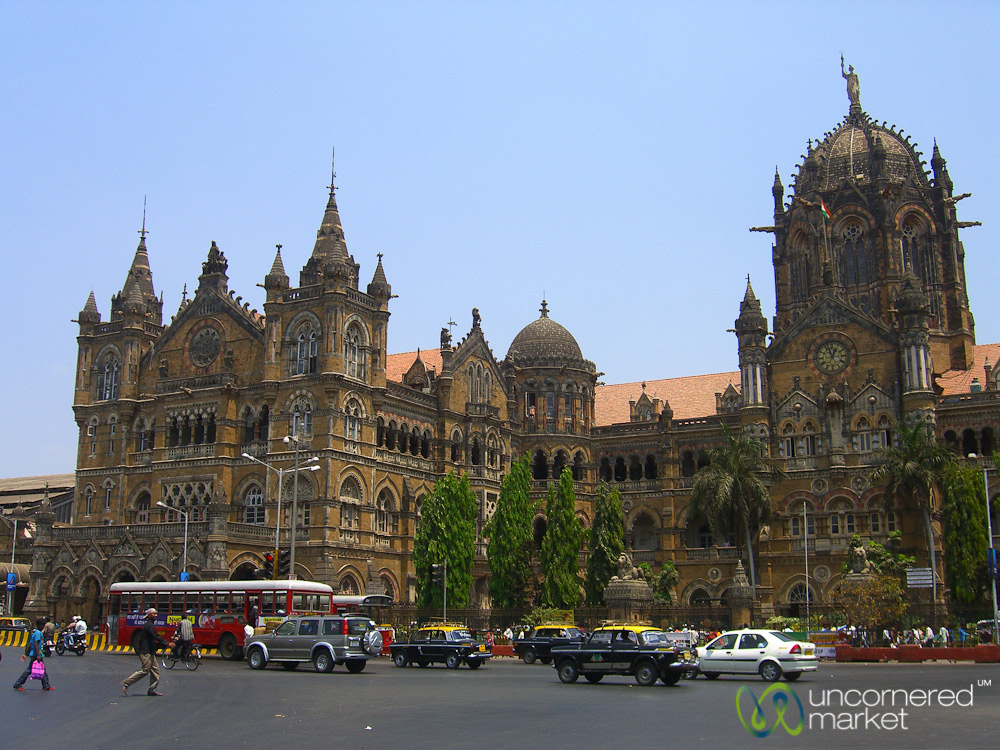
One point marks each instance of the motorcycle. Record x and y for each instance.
(69, 641)
(47, 646)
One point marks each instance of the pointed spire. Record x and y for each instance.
(544, 309)
(379, 286)
(90, 313)
(750, 303)
(276, 278)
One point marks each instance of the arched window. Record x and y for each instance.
(621, 473)
(302, 419)
(306, 351)
(352, 420)
(798, 270)
(854, 256)
(634, 469)
(578, 467)
(112, 432)
(385, 518)
(558, 463)
(788, 442)
(649, 471)
(539, 466)
(425, 444)
(88, 497)
(380, 432)
(863, 438)
(799, 594)
(687, 464)
(350, 504)
(107, 377)
(142, 508)
(605, 469)
(456, 447)
(841, 518)
(808, 439)
(795, 519)
(253, 505)
(355, 364)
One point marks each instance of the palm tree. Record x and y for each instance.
(912, 470)
(732, 493)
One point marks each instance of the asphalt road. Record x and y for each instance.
(505, 704)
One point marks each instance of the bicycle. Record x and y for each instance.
(192, 659)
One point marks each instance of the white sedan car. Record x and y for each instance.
(765, 652)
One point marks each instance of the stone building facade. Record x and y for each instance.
(872, 327)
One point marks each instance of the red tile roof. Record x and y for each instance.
(397, 365)
(689, 397)
(954, 382)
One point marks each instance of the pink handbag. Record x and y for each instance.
(37, 669)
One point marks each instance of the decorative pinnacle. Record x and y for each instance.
(544, 309)
(143, 232)
(333, 174)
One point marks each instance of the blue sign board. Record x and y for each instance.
(185, 576)
(11, 581)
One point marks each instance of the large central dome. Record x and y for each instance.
(545, 343)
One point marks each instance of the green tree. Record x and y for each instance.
(874, 600)
(607, 542)
(732, 493)
(911, 472)
(511, 543)
(964, 531)
(447, 532)
(561, 546)
(663, 583)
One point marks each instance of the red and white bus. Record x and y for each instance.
(219, 610)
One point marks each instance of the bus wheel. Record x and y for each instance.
(227, 647)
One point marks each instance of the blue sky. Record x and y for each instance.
(610, 156)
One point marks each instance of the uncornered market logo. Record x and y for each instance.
(785, 703)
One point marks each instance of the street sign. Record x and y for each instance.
(11, 581)
(185, 576)
(919, 578)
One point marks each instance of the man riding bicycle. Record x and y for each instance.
(183, 638)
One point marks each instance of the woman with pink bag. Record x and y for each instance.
(36, 667)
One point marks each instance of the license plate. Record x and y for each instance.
(482, 648)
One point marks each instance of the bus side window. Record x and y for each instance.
(176, 603)
(267, 604)
(222, 603)
(324, 603)
(239, 604)
(281, 602)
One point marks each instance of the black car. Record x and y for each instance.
(451, 644)
(644, 652)
(537, 645)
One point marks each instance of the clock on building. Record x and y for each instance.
(832, 357)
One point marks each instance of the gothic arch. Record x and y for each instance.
(123, 568)
(88, 573)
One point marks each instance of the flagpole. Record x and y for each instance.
(805, 531)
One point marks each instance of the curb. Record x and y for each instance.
(95, 642)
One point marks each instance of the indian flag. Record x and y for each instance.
(824, 209)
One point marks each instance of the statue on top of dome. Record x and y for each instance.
(853, 86)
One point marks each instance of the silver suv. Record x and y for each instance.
(325, 640)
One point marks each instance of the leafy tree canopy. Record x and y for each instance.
(446, 532)
(965, 538)
(511, 542)
(607, 542)
(561, 546)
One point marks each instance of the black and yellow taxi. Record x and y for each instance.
(537, 643)
(643, 651)
(447, 643)
(15, 624)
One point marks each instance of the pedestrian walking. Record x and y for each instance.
(148, 642)
(33, 649)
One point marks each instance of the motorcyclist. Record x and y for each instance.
(69, 634)
(81, 630)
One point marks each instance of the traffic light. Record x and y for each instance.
(437, 573)
(268, 570)
(284, 563)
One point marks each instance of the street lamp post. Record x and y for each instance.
(295, 503)
(277, 525)
(805, 547)
(989, 531)
(183, 513)
(13, 544)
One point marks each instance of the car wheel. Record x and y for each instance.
(645, 674)
(474, 663)
(711, 675)
(227, 647)
(256, 658)
(354, 666)
(792, 676)
(529, 656)
(399, 659)
(770, 672)
(671, 676)
(453, 661)
(593, 677)
(289, 665)
(568, 671)
(545, 659)
(323, 661)
(689, 674)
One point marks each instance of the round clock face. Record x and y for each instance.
(205, 346)
(832, 357)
